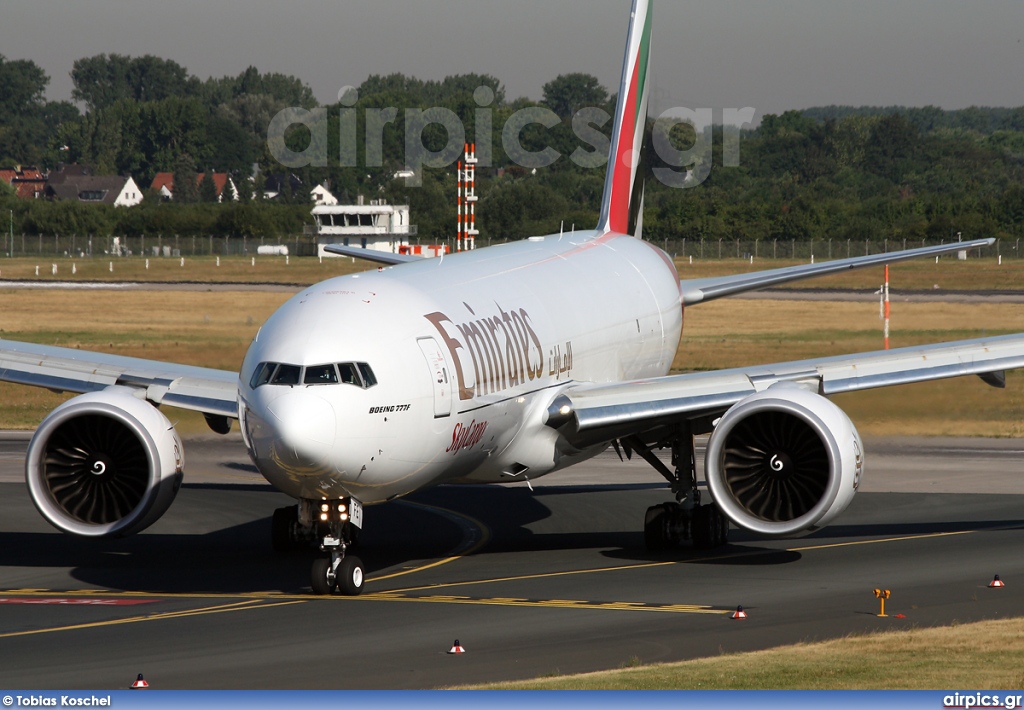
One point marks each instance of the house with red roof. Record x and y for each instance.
(28, 182)
(164, 184)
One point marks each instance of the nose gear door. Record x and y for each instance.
(439, 377)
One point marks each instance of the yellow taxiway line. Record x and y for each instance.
(251, 600)
(223, 608)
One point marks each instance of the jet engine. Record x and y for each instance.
(104, 464)
(784, 461)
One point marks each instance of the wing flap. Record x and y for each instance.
(66, 370)
(602, 411)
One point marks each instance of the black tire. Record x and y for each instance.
(701, 528)
(322, 579)
(281, 526)
(722, 528)
(350, 576)
(656, 528)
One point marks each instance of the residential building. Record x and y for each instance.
(164, 184)
(28, 182)
(95, 189)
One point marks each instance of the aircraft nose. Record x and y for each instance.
(305, 428)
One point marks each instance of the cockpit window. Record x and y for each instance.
(320, 375)
(349, 374)
(359, 374)
(262, 374)
(286, 375)
(368, 379)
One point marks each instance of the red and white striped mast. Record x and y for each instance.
(467, 231)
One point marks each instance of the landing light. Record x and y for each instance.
(323, 517)
(564, 410)
(341, 508)
(344, 517)
(324, 508)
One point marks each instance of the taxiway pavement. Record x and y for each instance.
(554, 580)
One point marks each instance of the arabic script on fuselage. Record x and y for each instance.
(492, 353)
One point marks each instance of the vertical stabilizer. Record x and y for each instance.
(623, 186)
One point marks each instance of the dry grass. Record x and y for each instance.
(738, 332)
(988, 654)
(200, 269)
(214, 328)
(209, 329)
(920, 275)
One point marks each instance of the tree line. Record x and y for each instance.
(831, 172)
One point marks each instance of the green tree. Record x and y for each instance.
(102, 80)
(208, 188)
(244, 186)
(568, 93)
(185, 189)
(22, 85)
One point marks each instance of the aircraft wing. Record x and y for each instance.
(380, 257)
(201, 389)
(589, 414)
(699, 290)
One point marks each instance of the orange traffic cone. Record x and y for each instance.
(140, 683)
(739, 613)
(996, 582)
(457, 648)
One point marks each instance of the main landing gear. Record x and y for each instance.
(669, 524)
(332, 527)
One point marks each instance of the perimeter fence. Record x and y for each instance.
(84, 246)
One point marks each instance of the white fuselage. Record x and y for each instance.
(467, 352)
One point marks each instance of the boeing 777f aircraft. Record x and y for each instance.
(500, 364)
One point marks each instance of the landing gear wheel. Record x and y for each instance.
(349, 577)
(323, 578)
(721, 527)
(281, 527)
(709, 528)
(656, 528)
(701, 530)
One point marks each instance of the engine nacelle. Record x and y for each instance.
(784, 461)
(104, 464)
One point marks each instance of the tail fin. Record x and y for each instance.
(624, 184)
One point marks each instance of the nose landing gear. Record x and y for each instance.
(335, 523)
(337, 572)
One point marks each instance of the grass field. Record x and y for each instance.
(922, 275)
(988, 655)
(203, 269)
(214, 328)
